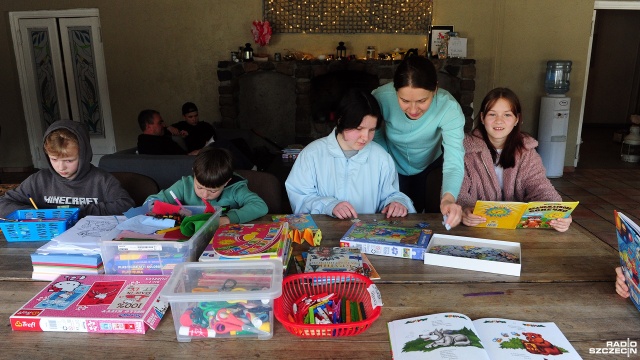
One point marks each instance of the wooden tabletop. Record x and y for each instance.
(566, 278)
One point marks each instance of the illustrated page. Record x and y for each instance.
(450, 336)
(512, 339)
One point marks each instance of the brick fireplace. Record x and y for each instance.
(283, 101)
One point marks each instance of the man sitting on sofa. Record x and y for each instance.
(155, 138)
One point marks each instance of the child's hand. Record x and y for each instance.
(344, 210)
(470, 219)
(224, 220)
(621, 286)
(185, 212)
(561, 225)
(395, 209)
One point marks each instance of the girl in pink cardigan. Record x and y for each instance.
(501, 163)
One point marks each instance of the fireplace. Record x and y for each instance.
(291, 102)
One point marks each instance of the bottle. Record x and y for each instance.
(556, 81)
(247, 52)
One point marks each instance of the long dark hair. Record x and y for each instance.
(514, 143)
(416, 72)
(354, 106)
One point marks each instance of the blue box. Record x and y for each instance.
(38, 225)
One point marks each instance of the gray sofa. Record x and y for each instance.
(164, 169)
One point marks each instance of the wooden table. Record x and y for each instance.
(566, 278)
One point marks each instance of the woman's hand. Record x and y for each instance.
(621, 286)
(395, 209)
(344, 210)
(561, 225)
(470, 219)
(451, 210)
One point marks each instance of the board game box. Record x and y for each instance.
(382, 239)
(95, 303)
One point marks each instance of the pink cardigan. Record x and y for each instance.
(525, 182)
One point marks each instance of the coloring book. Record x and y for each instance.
(628, 233)
(518, 215)
(96, 304)
(387, 240)
(456, 336)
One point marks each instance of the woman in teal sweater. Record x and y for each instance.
(213, 181)
(424, 128)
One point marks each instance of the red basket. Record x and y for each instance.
(349, 285)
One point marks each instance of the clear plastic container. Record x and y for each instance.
(557, 78)
(225, 299)
(157, 257)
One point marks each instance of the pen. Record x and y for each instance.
(175, 198)
(32, 202)
(444, 222)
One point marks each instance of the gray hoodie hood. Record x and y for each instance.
(85, 154)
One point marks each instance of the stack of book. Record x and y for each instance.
(76, 251)
(250, 242)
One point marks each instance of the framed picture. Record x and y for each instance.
(434, 37)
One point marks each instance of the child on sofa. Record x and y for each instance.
(214, 181)
(69, 181)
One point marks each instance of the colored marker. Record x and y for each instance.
(484, 293)
(196, 331)
(175, 198)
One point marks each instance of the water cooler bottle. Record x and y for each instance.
(554, 118)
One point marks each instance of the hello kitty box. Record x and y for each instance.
(95, 303)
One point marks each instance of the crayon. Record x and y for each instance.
(364, 313)
(163, 231)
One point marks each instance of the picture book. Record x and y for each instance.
(96, 304)
(456, 336)
(628, 233)
(368, 269)
(387, 240)
(326, 259)
(249, 242)
(518, 215)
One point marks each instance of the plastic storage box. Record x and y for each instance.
(156, 257)
(38, 225)
(223, 299)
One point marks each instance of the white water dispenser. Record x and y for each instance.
(554, 118)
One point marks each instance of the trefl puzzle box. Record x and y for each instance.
(95, 303)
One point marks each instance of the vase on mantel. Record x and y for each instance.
(262, 54)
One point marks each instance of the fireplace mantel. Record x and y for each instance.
(454, 75)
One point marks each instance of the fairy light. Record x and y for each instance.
(352, 16)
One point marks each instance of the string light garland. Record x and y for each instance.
(349, 16)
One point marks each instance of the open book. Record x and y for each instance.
(628, 234)
(455, 336)
(512, 215)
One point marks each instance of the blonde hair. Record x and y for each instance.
(59, 143)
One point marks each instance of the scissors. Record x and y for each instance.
(227, 322)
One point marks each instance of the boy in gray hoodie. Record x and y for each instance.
(71, 181)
